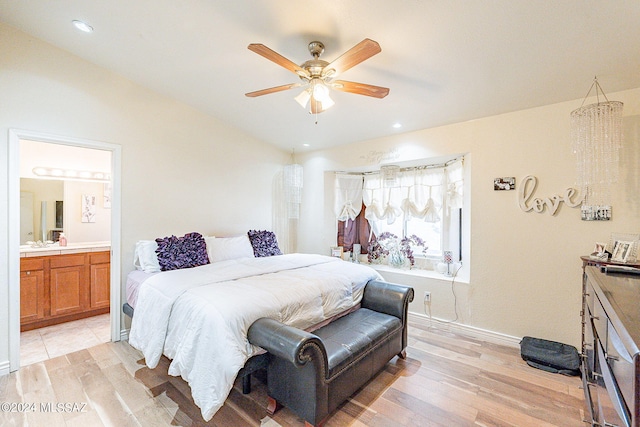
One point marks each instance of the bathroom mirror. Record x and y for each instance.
(33, 192)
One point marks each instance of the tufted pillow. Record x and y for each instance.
(264, 243)
(181, 252)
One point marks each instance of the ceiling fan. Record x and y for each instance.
(317, 75)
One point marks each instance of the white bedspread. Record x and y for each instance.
(199, 317)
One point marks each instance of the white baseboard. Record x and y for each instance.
(5, 368)
(484, 334)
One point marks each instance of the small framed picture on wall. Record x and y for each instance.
(88, 208)
(504, 183)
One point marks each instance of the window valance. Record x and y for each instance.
(416, 193)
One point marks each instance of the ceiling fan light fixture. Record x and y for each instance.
(303, 98)
(317, 74)
(320, 90)
(327, 102)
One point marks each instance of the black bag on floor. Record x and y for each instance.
(550, 356)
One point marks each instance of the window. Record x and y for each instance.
(425, 201)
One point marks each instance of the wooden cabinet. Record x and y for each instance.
(60, 288)
(67, 284)
(100, 279)
(610, 347)
(32, 290)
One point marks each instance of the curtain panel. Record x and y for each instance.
(455, 183)
(354, 231)
(348, 196)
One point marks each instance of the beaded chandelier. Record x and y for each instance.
(596, 135)
(293, 189)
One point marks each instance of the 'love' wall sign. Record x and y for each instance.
(528, 202)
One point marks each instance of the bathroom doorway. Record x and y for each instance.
(98, 319)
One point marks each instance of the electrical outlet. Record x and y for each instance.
(427, 296)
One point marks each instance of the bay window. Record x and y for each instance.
(425, 201)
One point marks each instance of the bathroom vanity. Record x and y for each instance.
(60, 284)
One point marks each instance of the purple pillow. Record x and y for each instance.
(181, 252)
(264, 243)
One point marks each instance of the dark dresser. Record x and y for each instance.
(610, 342)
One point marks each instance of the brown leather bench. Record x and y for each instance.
(314, 373)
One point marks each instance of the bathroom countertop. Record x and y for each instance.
(71, 248)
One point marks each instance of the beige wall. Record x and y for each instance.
(182, 170)
(524, 267)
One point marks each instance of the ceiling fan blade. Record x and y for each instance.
(272, 90)
(360, 88)
(360, 52)
(274, 56)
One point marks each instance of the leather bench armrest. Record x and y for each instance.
(286, 342)
(388, 298)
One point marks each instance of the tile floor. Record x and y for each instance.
(53, 341)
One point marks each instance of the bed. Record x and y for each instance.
(198, 317)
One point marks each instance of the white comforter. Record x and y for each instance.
(199, 317)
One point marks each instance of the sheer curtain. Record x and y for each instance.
(455, 183)
(417, 194)
(348, 196)
(426, 193)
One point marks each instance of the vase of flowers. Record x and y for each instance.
(395, 251)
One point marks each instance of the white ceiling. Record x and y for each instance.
(444, 61)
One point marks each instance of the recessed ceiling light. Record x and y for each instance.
(306, 145)
(397, 125)
(82, 26)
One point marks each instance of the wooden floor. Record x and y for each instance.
(448, 379)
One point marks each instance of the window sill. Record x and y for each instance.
(418, 273)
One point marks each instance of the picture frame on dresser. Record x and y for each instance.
(622, 251)
(624, 247)
(600, 252)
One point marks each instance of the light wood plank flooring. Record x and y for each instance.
(448, 379)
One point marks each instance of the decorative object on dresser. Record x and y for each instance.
(600, 252)
(610, 340)
(624, 247)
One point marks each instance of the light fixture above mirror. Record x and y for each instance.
(59, 173)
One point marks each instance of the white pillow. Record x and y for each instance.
(224, 248)
(145, 257)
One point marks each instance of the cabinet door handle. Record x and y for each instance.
(28, 273)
